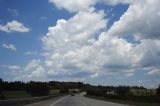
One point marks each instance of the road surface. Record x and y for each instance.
(77, 100)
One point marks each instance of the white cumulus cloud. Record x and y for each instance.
(115, 2)
(79, 48)
(73, 5)
(12, 67)
(154, 72)
(84, 5)
(141, 20)
(9, 46)
(30, 53)
(14, 26)
(70, 47)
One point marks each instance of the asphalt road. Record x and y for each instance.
(77, 100)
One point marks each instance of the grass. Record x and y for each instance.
(143, 92)
(53, 92)
(127, 102)
(16, 94)
(23, 94)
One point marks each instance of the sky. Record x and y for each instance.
(101, 42)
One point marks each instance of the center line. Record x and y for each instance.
(53, 104)
(83, 103)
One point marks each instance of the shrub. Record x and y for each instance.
(64, 91)
(37, 89)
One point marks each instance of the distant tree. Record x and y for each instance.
(64, 90)
(2, 97)
(123, 90)
(1, 85)
(151, 93)
(138, 93)
(95, 92)
(37, 88)
(158, 91)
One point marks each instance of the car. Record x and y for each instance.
(72, 94)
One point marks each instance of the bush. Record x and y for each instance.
(95, 92)
(64, 91)
(37, 89)
(123, 90)
(158, 91)
(2, 97)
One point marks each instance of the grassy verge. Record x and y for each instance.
(143, 92)
(16, 94)
(24, 101)
(23, 94)
(53, 92)
(123, 101)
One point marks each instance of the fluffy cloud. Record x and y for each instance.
(73, 33)
(84, 5)
(14, 26)
(34, 70)
(141, 20)
(73, 5)
(12, 67)
(43, 18)
(154, 72)
(13, 12)
(66, 51)
(148, 52)
(30, 53)
(14, 70)
(115, 2)
(78, 49)
(9, 46)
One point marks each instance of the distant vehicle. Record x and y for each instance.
(72, 94)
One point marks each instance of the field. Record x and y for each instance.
(143, 92)
(16, 94)
(52, 92)
(127, 102)
(23, 94)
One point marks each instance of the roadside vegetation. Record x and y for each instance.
(16, 94)
(18, 89)
(126, 94)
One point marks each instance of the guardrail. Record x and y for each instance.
(23, 101)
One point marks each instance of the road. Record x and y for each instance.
(77, 100)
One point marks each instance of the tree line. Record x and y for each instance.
(123, 93)
(43, 88)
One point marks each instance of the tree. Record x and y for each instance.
(2, 97)
(37, 88)
(64, 90)
(123, 90)
(1, 85)
(158, 91)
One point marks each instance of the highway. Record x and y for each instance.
(77, 100)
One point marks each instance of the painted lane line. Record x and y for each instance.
(83, 103)
(53, 104)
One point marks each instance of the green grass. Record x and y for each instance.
(16, 94)
(127, 102)
(23, 94)
(143, 92)
(53, 92)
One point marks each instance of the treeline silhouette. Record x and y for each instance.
(54, 85)
(123, 93)
(43, 88)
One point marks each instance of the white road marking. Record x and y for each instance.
(53, 104)
(83, 103)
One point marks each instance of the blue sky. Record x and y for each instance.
(99, 42)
